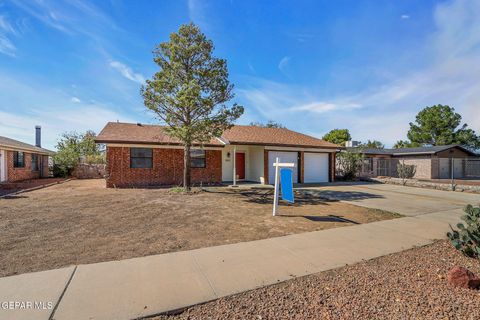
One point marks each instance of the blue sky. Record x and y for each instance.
(368, 66)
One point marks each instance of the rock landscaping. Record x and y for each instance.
(459, 186)
(409, 285)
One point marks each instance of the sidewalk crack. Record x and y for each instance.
(204, 275)
(62, 294)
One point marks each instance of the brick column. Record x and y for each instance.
(332, 159)
(265, 165)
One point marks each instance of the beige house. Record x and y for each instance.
(436, 162)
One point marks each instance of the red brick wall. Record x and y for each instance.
(167, 168)
(265, 166)
(332, 157)
(301, 163)
(25, 173)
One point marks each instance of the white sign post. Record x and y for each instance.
(277, 166)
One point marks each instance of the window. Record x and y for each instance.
(141, 158)
(34, 162)
(197, 158)
(18, 159)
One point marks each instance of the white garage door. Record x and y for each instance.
(316, 167)
(282, 157)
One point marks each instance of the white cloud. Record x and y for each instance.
(404, 16)
(449, 75)
(127, 72)
(197, 12)
(75, 99)
(283, 64)
(6, 45)
(74, 17)
(322, 107)
(49, 107)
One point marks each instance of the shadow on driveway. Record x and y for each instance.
(336, 195)
(302, 196)
(329, 218)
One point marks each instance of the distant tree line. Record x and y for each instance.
(433, 126)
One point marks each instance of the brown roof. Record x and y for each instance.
(116, 132)
(22, 146)
(273, 136)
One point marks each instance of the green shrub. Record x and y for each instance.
(64, 161)
(406, 171)
(348, 163)
(467, 238)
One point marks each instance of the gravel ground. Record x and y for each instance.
(407, 285)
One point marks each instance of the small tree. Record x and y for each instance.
(269, 124)
(348, 163)
(72, 147)
(406, 144)
(406, 171)
(338, 136)
(372, 144)
(190, 91)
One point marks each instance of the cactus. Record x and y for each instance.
(467, 238)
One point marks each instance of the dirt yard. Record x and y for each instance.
(81, 221)
(406, 285)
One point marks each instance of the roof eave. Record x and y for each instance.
(154, 143)
(284, 145)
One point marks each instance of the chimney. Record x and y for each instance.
(38, 136)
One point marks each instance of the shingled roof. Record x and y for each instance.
(255, 135)
(130, 133)
(415, 151)
(22, 146)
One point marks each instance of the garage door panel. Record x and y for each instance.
(316, 167)
(290, 157)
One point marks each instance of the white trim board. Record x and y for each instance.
(3, 167)
(276, 148)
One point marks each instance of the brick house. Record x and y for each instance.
(140, 155)
(22, 161)
(436, 162)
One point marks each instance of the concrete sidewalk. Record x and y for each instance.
(140, 287)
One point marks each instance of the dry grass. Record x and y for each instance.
(82, 222)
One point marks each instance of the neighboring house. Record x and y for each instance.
(431, 162)
(22, 161)
(139, 154)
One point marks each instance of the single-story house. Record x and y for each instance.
(22, 161)
(139, 154)
(435, 162)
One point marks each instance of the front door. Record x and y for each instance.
(240, 165)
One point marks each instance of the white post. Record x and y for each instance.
(276, 186)
(234, 166)
(452, 173)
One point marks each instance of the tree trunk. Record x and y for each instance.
(186, 168)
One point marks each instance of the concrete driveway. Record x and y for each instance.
(408, 201)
